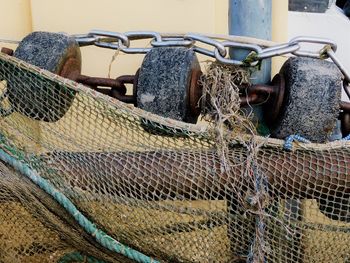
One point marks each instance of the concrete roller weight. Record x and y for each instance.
(311, 101)
(34, 96)
(164, 84)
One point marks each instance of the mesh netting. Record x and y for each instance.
(163, 192)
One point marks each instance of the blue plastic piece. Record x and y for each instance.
(347, 138)
(288, 144)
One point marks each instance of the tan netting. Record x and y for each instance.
(167, 195)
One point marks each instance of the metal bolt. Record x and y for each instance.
(7, 51)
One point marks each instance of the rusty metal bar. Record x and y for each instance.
(117, 86)
(7, 51)
(262, 89)
(198, 175)
(251, 99)
(131, 99)
(345, 106)
(126, 79)
(102, 82)
(257, 94)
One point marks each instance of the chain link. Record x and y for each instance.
(108, 39)
(331, 54)
(220, 47)
(249, 47)
(278, 50)
(173, 41)
(140, 35)
(312, 40)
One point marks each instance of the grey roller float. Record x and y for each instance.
(34, 96)
(312, 99)
(164, 81)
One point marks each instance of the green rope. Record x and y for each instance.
(78, 257)
(101, 237)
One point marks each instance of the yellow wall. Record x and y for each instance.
(279, 29)
(15, 24)
(15, 19)
(80, 16)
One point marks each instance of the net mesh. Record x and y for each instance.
(164, 191)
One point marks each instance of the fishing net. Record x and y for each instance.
(176, 192)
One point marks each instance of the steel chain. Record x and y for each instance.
(121, 41)
(219, 50)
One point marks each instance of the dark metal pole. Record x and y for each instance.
(252, 18)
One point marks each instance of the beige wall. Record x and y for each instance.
(15, 19)
(279, 29)
(80, 16)
(15, 24)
